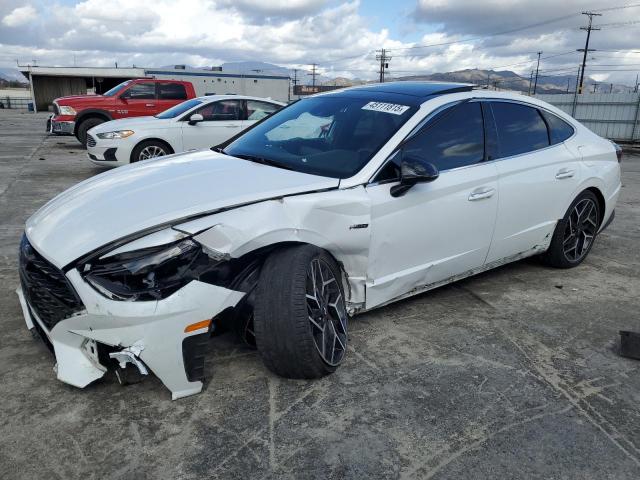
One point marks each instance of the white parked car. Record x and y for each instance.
(191, 125)
(377, 193)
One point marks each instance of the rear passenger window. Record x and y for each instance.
(171, 91)
(258, 110)
(559, 130)
(520, 128)
(455, 138)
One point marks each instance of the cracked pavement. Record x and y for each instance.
(513, 373)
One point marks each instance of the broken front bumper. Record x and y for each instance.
(152, 332)
(60, 127)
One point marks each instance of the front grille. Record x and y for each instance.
(45, 287)
(91, 142)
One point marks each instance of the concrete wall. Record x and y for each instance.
(210, 83)
(611, 115)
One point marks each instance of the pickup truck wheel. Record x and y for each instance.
(300, 319)
(85, 126)
(149, 149)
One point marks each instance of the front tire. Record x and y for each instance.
(300, 319)
(149, 149)
(85, 126)
(575, 233)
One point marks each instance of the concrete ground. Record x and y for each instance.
(510, 374)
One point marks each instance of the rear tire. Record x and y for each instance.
(149, 149)
(85, 126)
(300, 319)
(575, 233)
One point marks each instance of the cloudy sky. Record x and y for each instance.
(422, 36)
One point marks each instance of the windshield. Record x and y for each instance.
(179, 109)
(332, 136)
(116, 89)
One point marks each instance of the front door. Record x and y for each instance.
(222, 120)
(139, 100)
(440, 229)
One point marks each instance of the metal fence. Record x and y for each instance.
(20, 103)
(610, 115)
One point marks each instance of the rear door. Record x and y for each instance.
(222, 120)
(170, 94)
(440, 229)
(537, 175)
(138, 100)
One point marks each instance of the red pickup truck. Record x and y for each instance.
(133, 98)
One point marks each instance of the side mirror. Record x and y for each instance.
(414, 170)
(195, 118)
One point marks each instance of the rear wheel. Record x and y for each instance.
(85, 126)
(149, 149)
(300, 319)
(575, 233)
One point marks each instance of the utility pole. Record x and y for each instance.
(383, 58)
(313, 73)
(535, 85)
(568, 84)
(635, 89)
(530, 80)
(586, 50)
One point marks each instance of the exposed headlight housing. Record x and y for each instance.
(66, 110)
(147, 274)
(116, 134)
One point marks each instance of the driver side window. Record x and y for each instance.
(453, 138)
(222, 110)
(141, 91)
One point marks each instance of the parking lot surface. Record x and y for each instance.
(510, 374)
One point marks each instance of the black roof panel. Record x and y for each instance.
(404, 93)
(415, 89)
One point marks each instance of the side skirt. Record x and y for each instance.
(469, 273)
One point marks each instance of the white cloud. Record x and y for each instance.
(20, 16)
(294, 33)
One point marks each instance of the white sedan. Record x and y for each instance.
(337, 204)
(192, 125)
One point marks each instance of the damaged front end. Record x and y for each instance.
(145, 306)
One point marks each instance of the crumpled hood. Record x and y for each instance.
(135, 197)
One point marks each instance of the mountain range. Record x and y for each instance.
(504, 79)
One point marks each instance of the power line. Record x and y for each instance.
(588, 28)
(383, 58)
(504, 32)
(313, 73)
(535, 85)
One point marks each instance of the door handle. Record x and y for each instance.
(150, 105)
(481, 193)
(565, 173)
(231, 126)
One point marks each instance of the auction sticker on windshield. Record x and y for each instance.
(386, 107)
